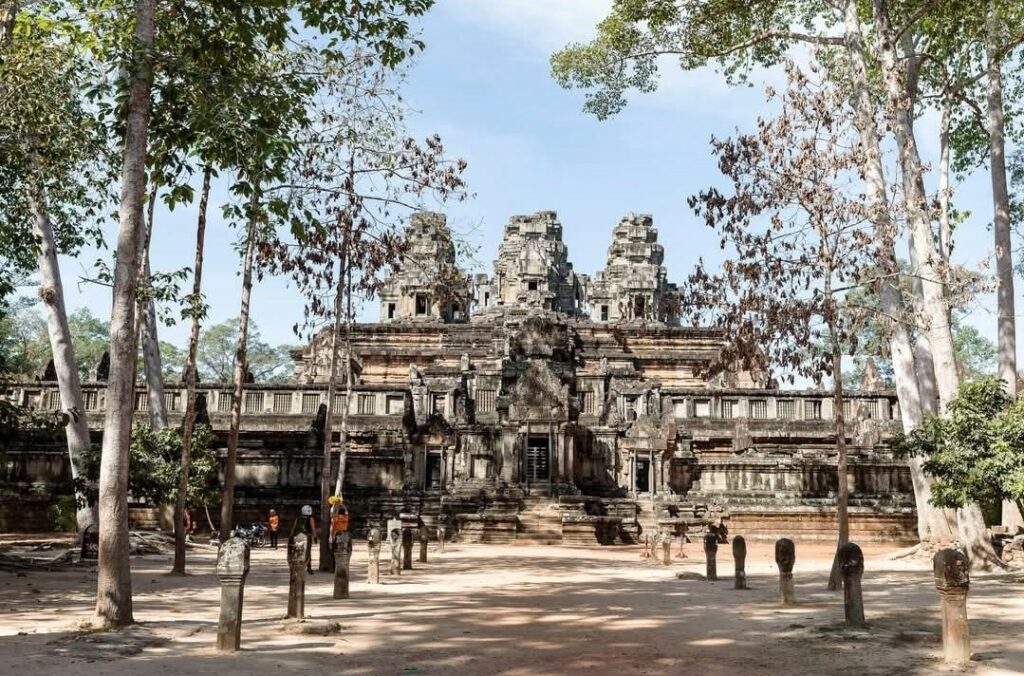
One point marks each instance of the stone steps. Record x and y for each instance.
(540, 522)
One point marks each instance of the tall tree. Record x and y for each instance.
(49, 192)
(114, 582)
(358, 179)
(797, 234)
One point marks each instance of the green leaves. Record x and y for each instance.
(976, 453)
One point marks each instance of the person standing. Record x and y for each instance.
(273, 523)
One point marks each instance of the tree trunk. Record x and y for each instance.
(114, 581)
(227, 516)
(843, 489)
(890, 295)
(936, 307)
(152, 363)
(343, 433)
(1006, 324)
(51, 292)
(945, 226)
(326, 512)
(188, 424)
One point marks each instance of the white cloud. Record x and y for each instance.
(541, 25)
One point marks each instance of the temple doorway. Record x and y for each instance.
(434, 481)
(642, 477)
(538, 460)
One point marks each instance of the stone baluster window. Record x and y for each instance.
(282, 402)
(589, 399)
(172, 401)
(141, 401)
(253, 402)
(310, 402)
(340, 403)
(53, 400)
(730, 407)
(485, 401)
(759, 409)
(367, 404)
(224, 402)
(786, 409)
(91, 400)
(812, 409)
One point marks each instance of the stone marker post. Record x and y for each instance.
(851, 566)
(232, 569)
(785, 557)
(297, 581)
(424, 538)
(666, 549)
(711, 552)
(442, 535)
(739, 556)
(953, 579)
(396, 551)
(342, 558)
(407, 549)
(374, 559)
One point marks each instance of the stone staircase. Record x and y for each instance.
(540, 522)
(647, 518)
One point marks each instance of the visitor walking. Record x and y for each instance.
(273, 523)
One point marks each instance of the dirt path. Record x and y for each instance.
(507, 610)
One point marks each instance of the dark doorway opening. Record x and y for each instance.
(538, 460)
(434, 481)
(643, 475)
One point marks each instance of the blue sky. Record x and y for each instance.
(483, 83)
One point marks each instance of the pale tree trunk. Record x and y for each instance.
(843, 488)
(945, 226)
(51, 292)
(930, 521)
(189, 422)
(152, 364)
(974, 538)
(326, 512)
(227, 508)
(927, 386)
(114, 580)
(1006, 325)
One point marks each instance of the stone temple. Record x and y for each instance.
(539, 404)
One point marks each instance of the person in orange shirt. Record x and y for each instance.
(273, 523)
(339, 521)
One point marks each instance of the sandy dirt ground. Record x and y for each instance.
(479, 609)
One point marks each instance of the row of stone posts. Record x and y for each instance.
(952, 580)
(233, 568)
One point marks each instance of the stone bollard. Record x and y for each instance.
(407, 549)
(851, 566)
(711, 552)
(785, 557)
(442, 535)
(232, 569)
(953, 579)
(297, 548)
(739, 556)
(424, 539)
(373, 542)
(666, 549)
(342, 558)
(396, 551)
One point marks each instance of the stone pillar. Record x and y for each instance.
(711, 552)
(666, 549)
(424, 538)
(739, 556)
(785, 557)
(395, 540)
(297, 549)
(342, 558)
(407, 549)
(952, 579)
(442, 535)
(851, 566)
(232, 569)
(373, 542)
